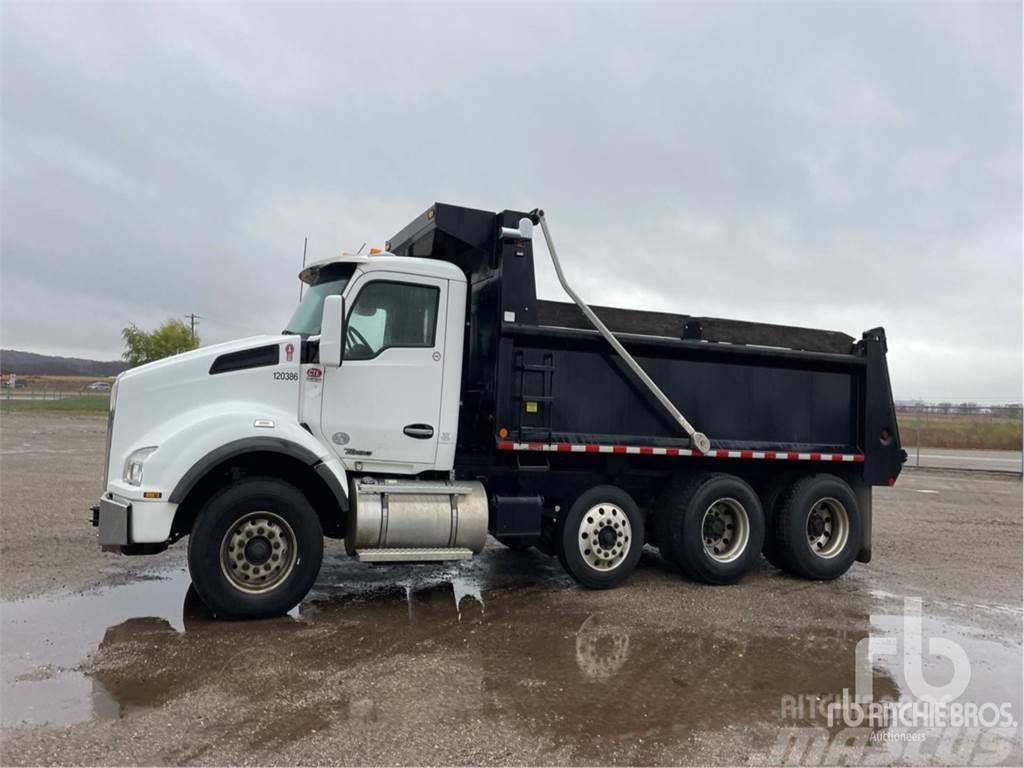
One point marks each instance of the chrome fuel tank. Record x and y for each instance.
(393, 514)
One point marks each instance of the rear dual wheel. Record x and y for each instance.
(816, 530)
(770, 495)
(711, 527)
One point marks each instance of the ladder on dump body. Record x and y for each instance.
(525, 232)
(529, 402)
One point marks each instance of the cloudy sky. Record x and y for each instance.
(832, 165)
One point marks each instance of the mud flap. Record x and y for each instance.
(863, 493)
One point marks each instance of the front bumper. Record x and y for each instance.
(132, 526)
(114, 519)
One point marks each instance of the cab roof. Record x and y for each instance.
(385, 261)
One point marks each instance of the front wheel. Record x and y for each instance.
(601, 537)
(255, 549)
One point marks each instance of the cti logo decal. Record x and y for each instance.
(289, 351)
(314, 373)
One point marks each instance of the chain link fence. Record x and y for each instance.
(984, 435)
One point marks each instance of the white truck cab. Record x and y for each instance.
(389, 406)
(403, 343)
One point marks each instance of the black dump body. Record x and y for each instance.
(536, 375)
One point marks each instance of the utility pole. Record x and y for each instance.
(305, 242)
(192, 317)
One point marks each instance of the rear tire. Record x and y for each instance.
(717, 528)
(817, 530)
(770, 496)
(601, 537)
(667, 503)
(255, 549)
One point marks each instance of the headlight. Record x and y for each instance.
(133, 465)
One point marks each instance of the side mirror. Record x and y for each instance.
(332, 331)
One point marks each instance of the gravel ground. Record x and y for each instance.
(51, 471)
(112, 660)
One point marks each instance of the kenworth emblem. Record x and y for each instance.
(340, 438)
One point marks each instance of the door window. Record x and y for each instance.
(387, 314)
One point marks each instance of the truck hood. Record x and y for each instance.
(154, 401)
(211, 352)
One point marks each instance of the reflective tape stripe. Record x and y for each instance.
(647, 450)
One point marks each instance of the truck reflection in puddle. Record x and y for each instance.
(403, 658)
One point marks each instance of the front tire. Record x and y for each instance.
(255, 549)
(601, 537)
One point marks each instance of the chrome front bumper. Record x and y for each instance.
(113, 518)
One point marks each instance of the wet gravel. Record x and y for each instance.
(503, 660)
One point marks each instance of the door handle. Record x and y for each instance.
(419, 431)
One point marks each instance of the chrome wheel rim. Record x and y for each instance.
(604, 537)
(725, 530)
(258, 552)
(828, 528)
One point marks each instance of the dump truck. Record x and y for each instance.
(422, 398)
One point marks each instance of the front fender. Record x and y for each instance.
(210, 437)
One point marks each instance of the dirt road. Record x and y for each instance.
(503, 660)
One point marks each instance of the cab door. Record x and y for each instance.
(381, 407)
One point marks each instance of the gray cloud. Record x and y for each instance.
(841, 166)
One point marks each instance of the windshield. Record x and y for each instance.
(330, 281)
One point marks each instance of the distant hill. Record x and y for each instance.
(31, 364)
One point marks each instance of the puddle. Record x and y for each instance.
(47, 642)
(44, 641)
(992, 669)
(400, 649)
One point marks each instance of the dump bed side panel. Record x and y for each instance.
(564, 386)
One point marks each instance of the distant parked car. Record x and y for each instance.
(13, 383)
(98, 386)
